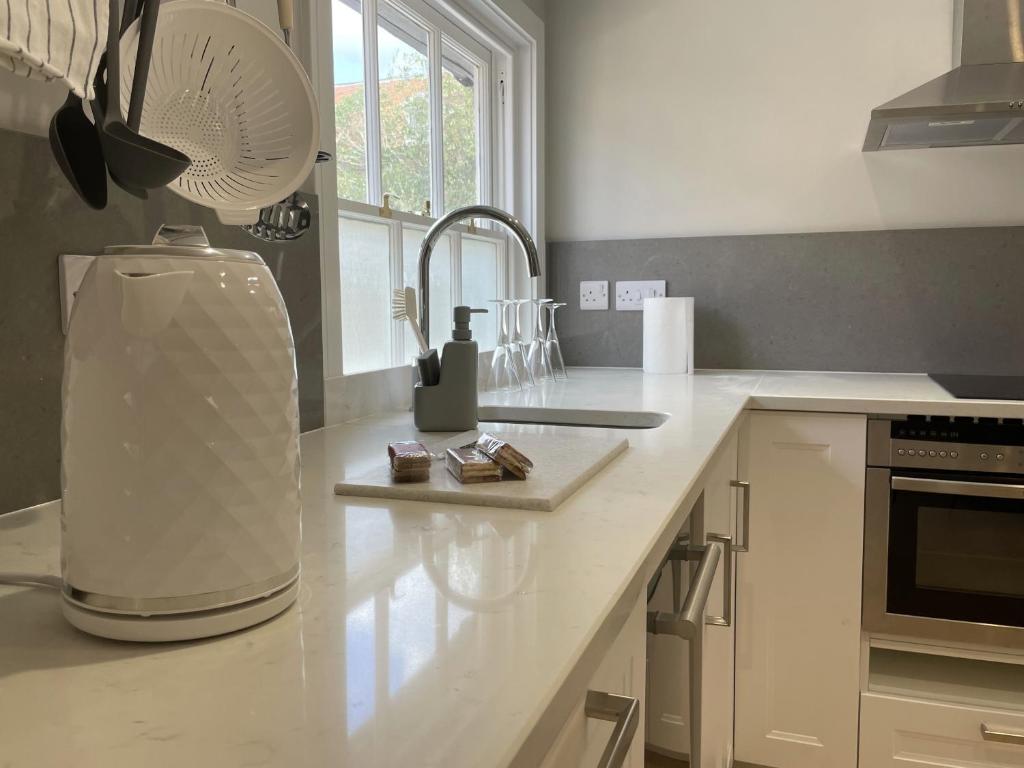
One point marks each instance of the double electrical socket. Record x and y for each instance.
(594, 294)
(630, 294)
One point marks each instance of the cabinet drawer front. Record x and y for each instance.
(913, 734)
(582, 739)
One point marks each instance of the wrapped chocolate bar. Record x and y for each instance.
(408, 454)
(468, 465)
(410, 461)
(410, 475)
(506, 455)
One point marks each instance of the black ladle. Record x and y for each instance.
(98, 112)
(135, 160)
(131, 12)
(143, 56)
(76, 147)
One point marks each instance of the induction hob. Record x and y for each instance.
(976, 387)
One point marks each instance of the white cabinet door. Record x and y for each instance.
(668, 721)
(798, 591)
(582, 739)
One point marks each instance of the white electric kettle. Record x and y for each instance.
(180, 445)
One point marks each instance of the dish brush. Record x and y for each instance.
(403, 307)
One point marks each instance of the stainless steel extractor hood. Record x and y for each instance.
(979, 103)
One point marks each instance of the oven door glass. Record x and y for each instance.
(956, 549)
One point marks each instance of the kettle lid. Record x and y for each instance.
(183, 241)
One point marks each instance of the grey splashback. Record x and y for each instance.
(40, 217)
(903, 301)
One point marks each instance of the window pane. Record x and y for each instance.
(404, 109)
(365, 295)
(459, 80)
(349, 103)
(480, 285)
(440, 285)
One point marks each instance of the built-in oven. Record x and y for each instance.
(944, 530)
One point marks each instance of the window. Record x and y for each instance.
(418, 131)
(403, 93)
(365, 293)
(378, 253)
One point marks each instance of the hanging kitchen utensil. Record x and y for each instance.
(229, 94)
(75, 141)
(129, 14)
(290, 218)
(147, 31)
(136, 160)
(286, 19)
(98, 106)
(76, 147)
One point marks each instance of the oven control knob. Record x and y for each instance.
(954, 454)
(901, 452)
(984, 456)
(942, 454)
(932, 454)
(999, 457)
(911, 452)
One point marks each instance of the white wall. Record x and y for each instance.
(681, 117)
(539, 7)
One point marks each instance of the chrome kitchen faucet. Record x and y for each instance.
(510, 222)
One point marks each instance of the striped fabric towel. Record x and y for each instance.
(54, 40)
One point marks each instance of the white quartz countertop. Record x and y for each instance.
(424, 634)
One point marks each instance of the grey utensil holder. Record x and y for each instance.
(451, 404)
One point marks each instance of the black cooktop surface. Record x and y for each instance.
(971, 387)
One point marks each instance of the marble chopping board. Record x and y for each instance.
(561, 465)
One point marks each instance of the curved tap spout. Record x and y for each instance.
(510, 222)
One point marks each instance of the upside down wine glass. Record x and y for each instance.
(503, 373)
(537, 356)
(551, 345)
(520, 345)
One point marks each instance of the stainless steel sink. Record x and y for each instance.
(571, 417)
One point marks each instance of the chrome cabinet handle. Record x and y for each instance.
(744, 486)
(958, 488)
(624, 711)
(989, 733)
(725, 620)
(688, 624)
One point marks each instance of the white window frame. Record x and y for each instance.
(509, 133)
(441, 31)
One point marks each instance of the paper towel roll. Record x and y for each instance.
(668, 335)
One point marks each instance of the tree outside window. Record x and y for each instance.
(405, 135)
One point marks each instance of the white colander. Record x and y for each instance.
(224, 90)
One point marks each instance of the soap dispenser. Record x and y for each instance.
(450, 404)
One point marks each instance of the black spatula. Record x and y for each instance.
(76, 147)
